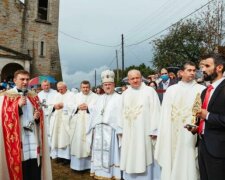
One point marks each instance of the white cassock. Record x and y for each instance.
(80, 149)
(175, 147)
(48, 97)
(140, 112)
(103, 137)
(60, 137)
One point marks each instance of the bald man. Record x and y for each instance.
(64, 103)
(140, 114)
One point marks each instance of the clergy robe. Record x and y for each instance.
(11, 132)
(80, 150)
(60, 137)
(140, 117)
(103, 137)
(175, 147)
(49, 98)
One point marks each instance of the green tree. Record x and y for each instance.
(183, 42)
(188, 40)
(145, 71)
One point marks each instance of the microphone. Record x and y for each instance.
(24, 91)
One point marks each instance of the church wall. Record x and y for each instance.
(22, 31)
(10, 23)
(46, 32)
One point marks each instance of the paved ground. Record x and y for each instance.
(63, 172)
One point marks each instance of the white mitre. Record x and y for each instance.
(107, 76)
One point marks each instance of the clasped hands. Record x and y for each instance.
(58, 106)
(83, 107)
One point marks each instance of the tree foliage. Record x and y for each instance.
(187, 40)
(145, 70)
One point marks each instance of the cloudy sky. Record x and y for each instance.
(90, 33)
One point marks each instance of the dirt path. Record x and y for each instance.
(63, 172)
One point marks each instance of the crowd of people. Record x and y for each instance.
(151, 131)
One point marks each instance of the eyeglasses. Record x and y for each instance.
(163, 73)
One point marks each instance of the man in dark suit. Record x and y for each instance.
(211, 129)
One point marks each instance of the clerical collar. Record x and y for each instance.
(20, 90)
(190, 83)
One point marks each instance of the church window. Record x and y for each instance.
(43, 9)
(42, 47)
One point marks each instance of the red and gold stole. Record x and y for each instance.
(11, 132)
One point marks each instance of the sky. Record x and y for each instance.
(90, 33)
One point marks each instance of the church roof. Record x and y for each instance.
(10, 53)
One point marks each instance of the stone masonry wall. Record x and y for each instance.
(21, 30)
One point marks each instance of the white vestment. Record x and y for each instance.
(29, 140)
(60, 138)
(103, 133)
(80, 149)
(175, 147)
(47, 98)
(140, 113)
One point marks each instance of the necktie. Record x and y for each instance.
(204, 106)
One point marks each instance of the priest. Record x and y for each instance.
(103, 131)
(46, 97)
(60, 137)
(24, 150)
(175, 148)
(80, 150)
(140, 117)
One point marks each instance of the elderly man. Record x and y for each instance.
(46, 97)
(140, 116)
(24, 153)
(80, 150)
(174, 142)
(104, 124)
(60, 139)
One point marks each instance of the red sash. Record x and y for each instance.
(11, 133)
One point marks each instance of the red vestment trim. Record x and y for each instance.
(11, 133)
(35, 102)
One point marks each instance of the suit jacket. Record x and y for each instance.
(161, 91)
(214, 133)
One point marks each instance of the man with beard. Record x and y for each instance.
(80, 150)
(103, 131)
(211, 128)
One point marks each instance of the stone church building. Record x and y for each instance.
(29, 38)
